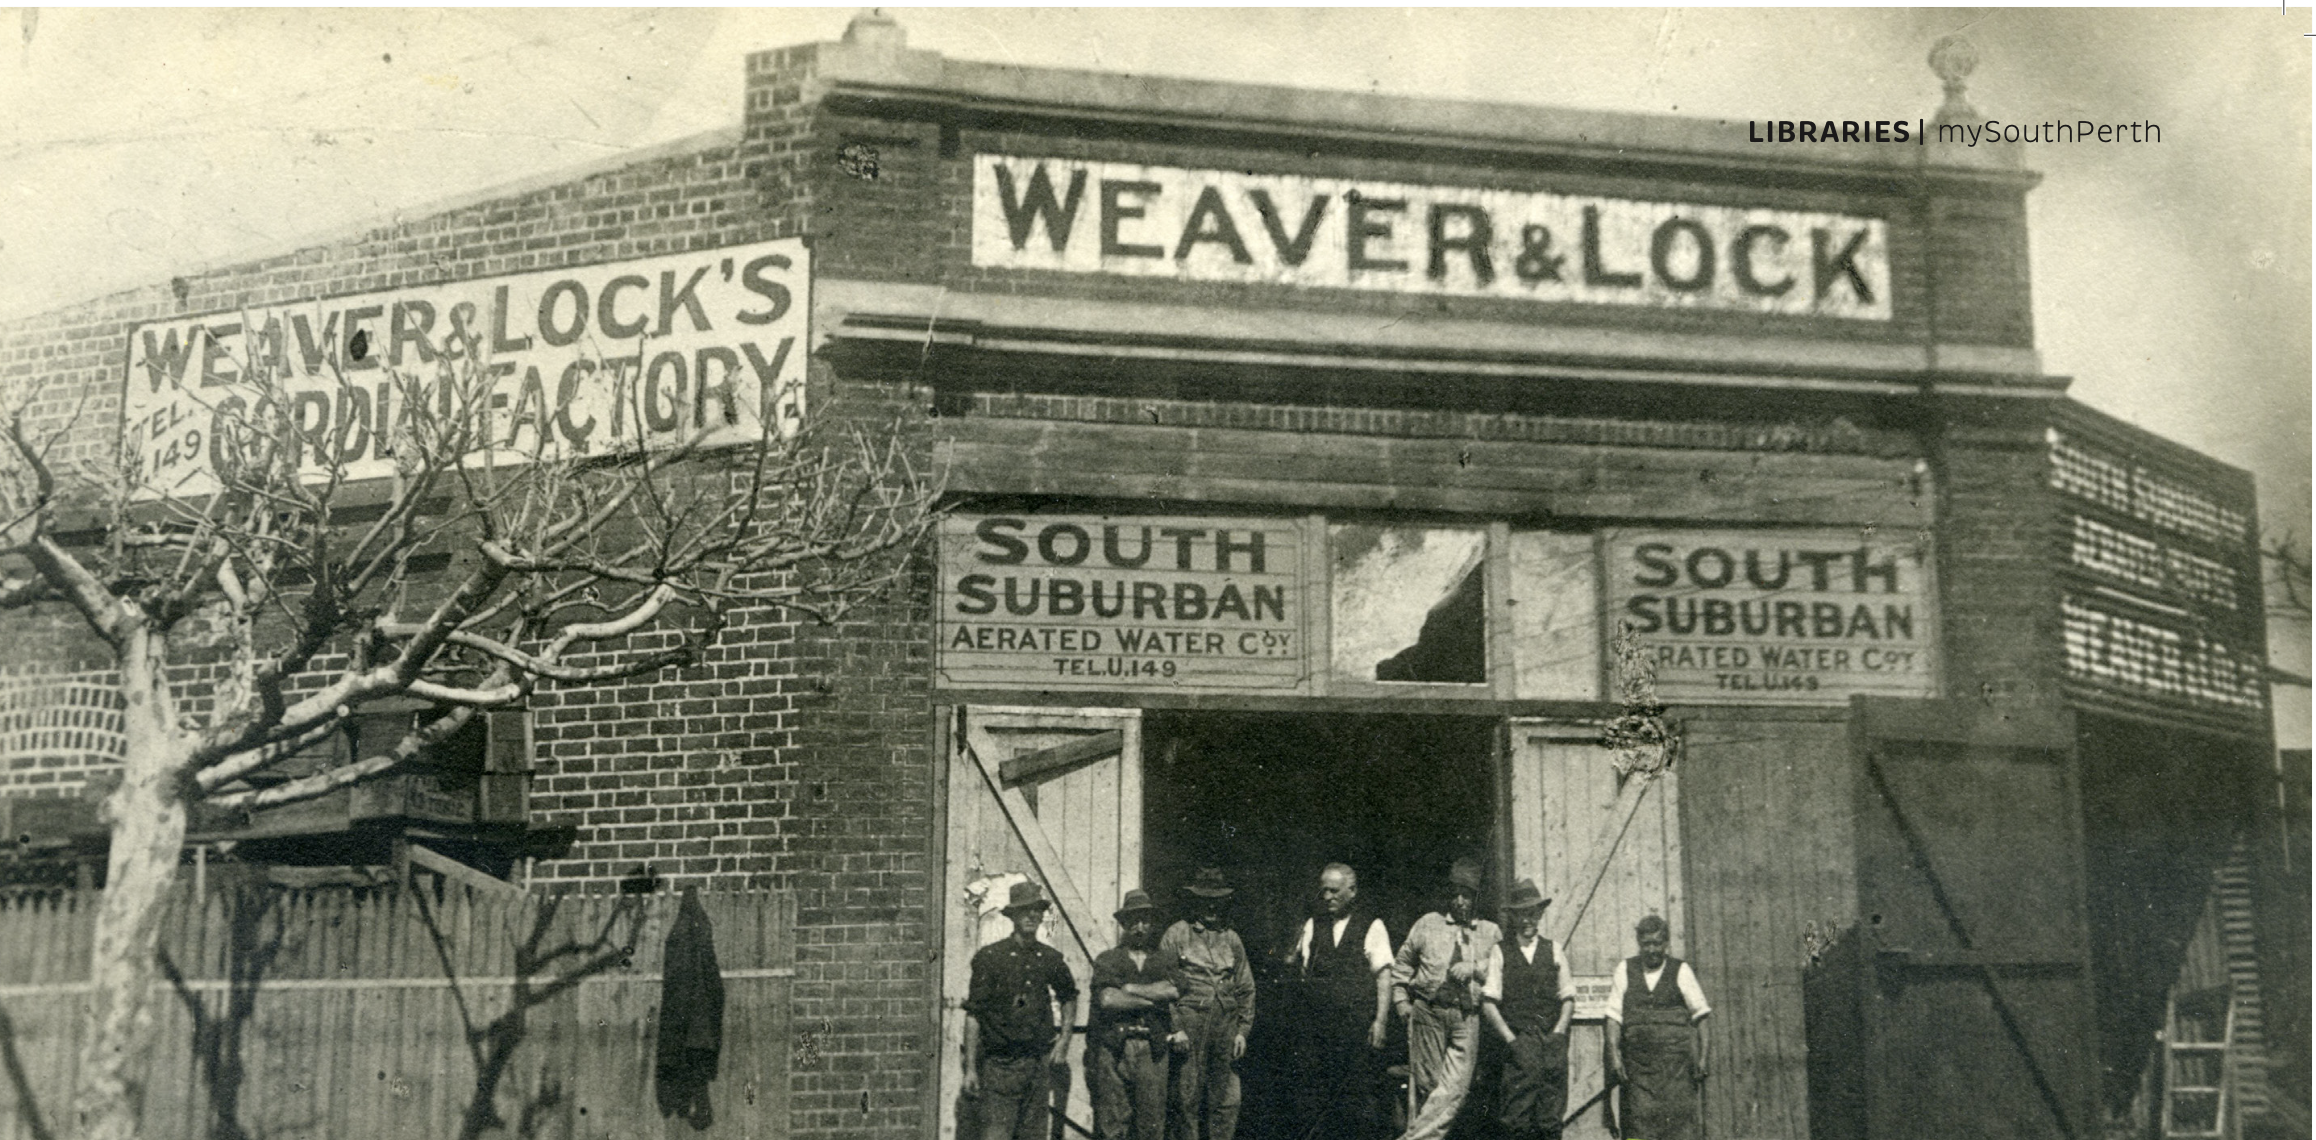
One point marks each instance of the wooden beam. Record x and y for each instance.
(1061, 757)
(1081, 921)
(1604, 844)
(452, 869)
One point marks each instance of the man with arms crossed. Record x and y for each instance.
(1126, 1055)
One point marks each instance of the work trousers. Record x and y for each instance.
(1535, 1083)
(1205, 1081)
(1129, 1080)
(1341, 1078)
(1442, 1046)
(1016, 1098)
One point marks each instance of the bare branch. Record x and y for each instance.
(492, 697)
(256, 759)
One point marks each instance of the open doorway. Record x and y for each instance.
(1272, 798)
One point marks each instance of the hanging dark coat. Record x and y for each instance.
(691, 1016)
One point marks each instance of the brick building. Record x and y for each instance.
(1331, 475)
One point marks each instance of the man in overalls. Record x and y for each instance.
(1214, 1013)
(1656, 1039)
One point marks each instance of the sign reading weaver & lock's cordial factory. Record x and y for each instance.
(1121, 602)
(1075, 216)
(575, 361)
(1775, 616)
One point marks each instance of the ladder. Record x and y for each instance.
(2199, 1029)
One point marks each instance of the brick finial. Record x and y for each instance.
(1953, 58)
(877, 31)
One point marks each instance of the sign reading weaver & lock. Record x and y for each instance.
(1121, 602)
(557, 363)
(1076, 216)
(1775, 617)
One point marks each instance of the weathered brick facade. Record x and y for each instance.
(807, 758)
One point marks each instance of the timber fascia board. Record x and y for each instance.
(1411, 343)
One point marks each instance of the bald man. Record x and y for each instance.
(1344, 958)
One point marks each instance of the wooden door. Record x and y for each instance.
(1053, 795)
(1606, 849)
(1977, 1018)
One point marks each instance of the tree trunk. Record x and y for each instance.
(147, 815)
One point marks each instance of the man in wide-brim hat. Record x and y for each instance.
(1531, 1018)
(1011, 1039)
(1127, 1058)
(1446, 970)
(1214, 1013)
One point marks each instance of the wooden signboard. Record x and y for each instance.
(1770, 617)
(1097, 602)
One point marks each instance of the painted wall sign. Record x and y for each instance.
(1121, 602)
(1215, 225)
(580, 360)
(1775, 617)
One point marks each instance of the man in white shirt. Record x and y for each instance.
(1445, 971)
(1656, 1039)
(1344, 959)
(1531, 1019)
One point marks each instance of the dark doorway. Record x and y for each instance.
(1272, 799)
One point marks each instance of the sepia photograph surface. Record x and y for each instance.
(1300, 573)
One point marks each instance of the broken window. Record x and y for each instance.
(1409, 604)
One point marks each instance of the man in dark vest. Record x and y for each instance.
(1531, 1019)
(1656, 1039)
(1344, 959)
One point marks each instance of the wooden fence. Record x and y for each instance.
(418, 1013)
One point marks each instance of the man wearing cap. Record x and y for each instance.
(1214, 1013)
(1345, 962)
(1531, 1018)
(1011, 1041)
(1656, 1038)
(1126, 1035)
(1446, 970)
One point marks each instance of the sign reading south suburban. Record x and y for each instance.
(1046, 601)
(1805, 617)
(552, 364)
(1075, 216)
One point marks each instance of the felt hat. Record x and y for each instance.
(1525, 896)
(1209, 884)
(1025, 895)
(1465, 874)
(1137, 901)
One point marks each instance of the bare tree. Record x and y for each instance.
(475, 574)
(2287, 558)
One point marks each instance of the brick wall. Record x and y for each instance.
(793, 756)
(800, 756)
(1999, 524)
